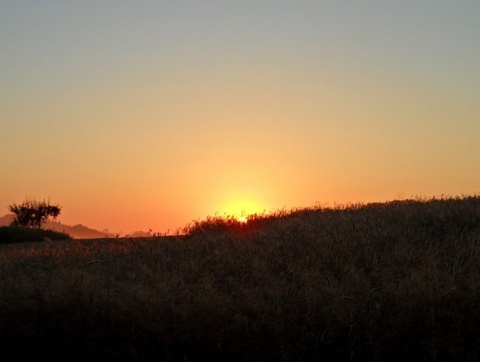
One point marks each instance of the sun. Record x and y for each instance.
(242, 219)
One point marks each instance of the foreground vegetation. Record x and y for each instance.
(22, 234)
(396, 281)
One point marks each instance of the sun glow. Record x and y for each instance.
(241, 207)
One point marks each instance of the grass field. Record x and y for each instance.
(396, 281)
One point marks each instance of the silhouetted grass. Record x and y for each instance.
(18, 234)
(398, 281)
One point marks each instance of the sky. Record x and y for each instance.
(138, 115)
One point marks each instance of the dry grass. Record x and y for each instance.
(395, 281)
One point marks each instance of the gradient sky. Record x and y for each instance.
(150, 114)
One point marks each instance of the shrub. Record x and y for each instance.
(16, 234)
(33, 213)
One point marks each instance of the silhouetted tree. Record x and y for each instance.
(32, 213)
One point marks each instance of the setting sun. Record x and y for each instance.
(242, 219)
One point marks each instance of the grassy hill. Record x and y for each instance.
(395, 281)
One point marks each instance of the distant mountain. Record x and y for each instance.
(139, 234)
(77, 231)
(6, 219)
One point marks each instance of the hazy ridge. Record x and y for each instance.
(78, 231)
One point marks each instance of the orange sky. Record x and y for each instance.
(148, 116)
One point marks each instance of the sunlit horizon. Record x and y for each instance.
(240, 214)
(139, 116)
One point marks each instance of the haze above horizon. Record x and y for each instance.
(148, 115)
